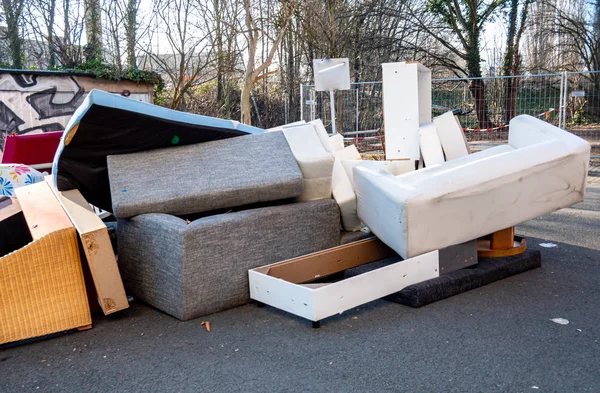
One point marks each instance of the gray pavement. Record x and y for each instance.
(498, 338)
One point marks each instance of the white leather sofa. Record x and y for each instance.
(542, 169)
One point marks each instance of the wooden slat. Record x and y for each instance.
(324, 263)
(97, 248)
(41, 209)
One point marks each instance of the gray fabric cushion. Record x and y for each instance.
(201, 268)
(203, 177)
(351, 237)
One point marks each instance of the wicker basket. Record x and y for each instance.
(42, 289)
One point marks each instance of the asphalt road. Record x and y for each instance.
(499, 338)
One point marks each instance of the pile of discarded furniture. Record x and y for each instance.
(210, 214)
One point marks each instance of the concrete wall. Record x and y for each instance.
(41, 102)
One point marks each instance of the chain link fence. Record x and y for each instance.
(570, 100)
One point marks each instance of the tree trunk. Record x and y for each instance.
(93, 27)
(51, 49)
(220, 73)
(508, 63)
(130, 32)
(477, 86)
(245, 107)
(291, 77)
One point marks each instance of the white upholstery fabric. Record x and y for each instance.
(543, 169)
(397, 167)
(314, 157)
(343, 191)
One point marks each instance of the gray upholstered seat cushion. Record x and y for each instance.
(201, 268)
(203, 177)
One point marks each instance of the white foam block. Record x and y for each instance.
(431, 148)
(280, 128)
(322, 132)
(544, 169)
(451, 136)
(337, 141)
(343, 191)
(397, 167)
(314, 159)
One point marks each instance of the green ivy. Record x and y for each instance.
(107, 71)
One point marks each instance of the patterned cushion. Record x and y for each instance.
(16, 175)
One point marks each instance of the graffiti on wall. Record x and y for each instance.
(37, 103)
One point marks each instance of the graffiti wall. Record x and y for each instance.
(41, 102)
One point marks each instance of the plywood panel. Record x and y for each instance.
(324, 263)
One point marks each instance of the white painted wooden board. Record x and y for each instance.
(406, 105)
(451, 136)
(293, 298)
(364, 288)
(431, 148)
(316, 302)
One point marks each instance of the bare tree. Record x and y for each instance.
(255, 72)
(41, 18)
(186, 25)
(115, 18)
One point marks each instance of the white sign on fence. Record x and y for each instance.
(578, 93)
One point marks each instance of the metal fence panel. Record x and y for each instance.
(569, 100)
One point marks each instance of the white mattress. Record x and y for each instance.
(343, 191)
(314, 159)
(543, 169)
(451, 136)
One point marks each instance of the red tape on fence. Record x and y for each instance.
(371, 138)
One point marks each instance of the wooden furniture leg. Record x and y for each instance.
(501, 243)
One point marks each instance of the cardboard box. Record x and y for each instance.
(97, 248)
(286, 285)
